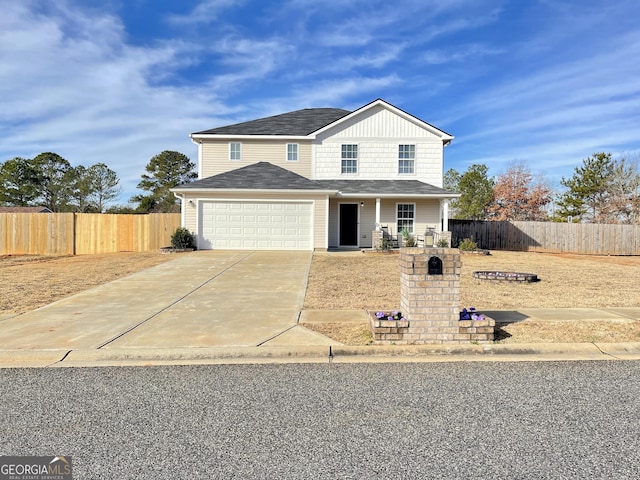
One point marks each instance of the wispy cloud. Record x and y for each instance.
(204, 12)
(461, 53)
(511, 80)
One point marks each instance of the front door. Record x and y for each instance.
(348, 224)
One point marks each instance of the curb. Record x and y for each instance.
(318, 354)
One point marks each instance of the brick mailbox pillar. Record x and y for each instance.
(430, 302)
(430, 294)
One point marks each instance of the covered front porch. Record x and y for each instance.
(354, 220)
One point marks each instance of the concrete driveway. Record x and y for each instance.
(200, 299)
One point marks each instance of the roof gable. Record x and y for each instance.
(311, 122)
(378, 104)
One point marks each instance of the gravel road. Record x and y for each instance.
(438, 420)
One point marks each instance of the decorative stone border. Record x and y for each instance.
(175, 250)
(506, 276)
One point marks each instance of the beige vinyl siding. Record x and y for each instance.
(191, 215)
(215, 155)
(427, 214)
(319, 210)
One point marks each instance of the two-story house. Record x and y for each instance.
(316, 178)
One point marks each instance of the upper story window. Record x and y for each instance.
(406, 158)
(235, 151)
(292, 152)
(349, 162)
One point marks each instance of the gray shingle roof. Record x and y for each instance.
(266, 176)
(258, 176)
(25, 210)
(382, 187)
(298, 123)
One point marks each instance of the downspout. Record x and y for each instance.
(183, 208)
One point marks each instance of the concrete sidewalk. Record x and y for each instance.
(233, 307)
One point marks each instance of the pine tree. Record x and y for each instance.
(476, 190)
(588, 190)
(164, 171)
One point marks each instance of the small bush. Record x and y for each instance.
(182, 238)
(385, 245)
(467, 245)
(442, 243)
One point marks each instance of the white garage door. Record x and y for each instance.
(256, 225)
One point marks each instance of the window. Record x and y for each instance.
(292, 152)
(406, 158)
(349, 158)
(235, 151)
(406, 215)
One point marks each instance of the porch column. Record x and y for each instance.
(445, 215)
(377, 214)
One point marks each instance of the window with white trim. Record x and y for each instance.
(235, 151)
(406, 213)
(292, 152)
(406, 158)
(349, 163)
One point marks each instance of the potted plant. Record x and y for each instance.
(408, 239)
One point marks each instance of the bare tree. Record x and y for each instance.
(518, 195)
(624, 192)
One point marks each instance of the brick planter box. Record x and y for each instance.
(387, 330)
(481, 331)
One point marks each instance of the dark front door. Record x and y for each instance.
(349, 224)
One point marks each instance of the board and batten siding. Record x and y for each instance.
(215, 155)
(378, 135)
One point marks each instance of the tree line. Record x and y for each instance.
(49, 180)
(602, 190)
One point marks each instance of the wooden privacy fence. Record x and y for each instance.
(582, 238)
(84, 233)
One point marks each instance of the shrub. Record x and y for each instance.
(182, 238)
(442, 243)
(385, 244)
(467, 245)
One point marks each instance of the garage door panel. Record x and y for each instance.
(256, 225)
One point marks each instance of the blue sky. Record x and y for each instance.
(544, 82)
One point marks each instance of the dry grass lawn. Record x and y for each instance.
(28, 282)
(371, 281)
